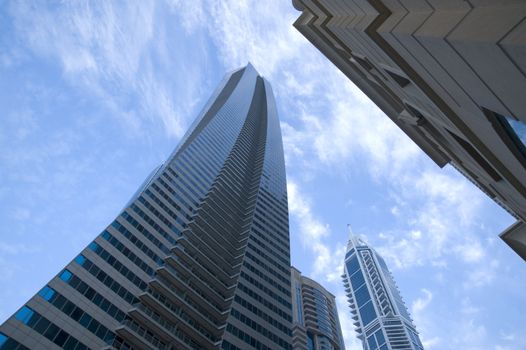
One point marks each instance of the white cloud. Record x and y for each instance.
(314, 236)
(107, 50)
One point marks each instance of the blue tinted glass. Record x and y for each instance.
(372, 342)
(80, 259)
(310, 342)
(65, 275)
(519, 128)
(93, 246)
(105, 234)
(349, 253)
(380, 337)
(362, 295)
(357, 280)
(3, 339)
(353, 265)
(46, 293)
(384, 347)
(367, 313)
(24, 315)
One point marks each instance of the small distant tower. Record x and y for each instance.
(378, 311)
(316, 325)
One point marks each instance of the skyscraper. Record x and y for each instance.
(198, 259)
(379, 313)
(449, 74)
(315, 321)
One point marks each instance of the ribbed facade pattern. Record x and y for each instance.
(380, 315)
(316, 325)
(449, 73)
(198, 259)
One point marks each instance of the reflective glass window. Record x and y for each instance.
(24, 315)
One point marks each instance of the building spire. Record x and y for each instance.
(354, 241)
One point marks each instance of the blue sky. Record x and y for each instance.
(94, 95)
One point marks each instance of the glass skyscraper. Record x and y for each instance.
(315, 321)
(198, 259)
(377, 309)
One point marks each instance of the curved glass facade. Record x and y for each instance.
(198, 259)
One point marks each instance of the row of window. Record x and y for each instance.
(201, 165)
(193, 174)
(265, 290)
(181, 189)
(284, 258)
(278, 213)
(267, 279)
(283, 234)
(267, 258)
(263, 301)
(160, 216)
(136, 242)
(176, 195)
(166, 208)
(105, 279)
(93, 296)
(127, 253)
(255, 310)
(272, 242)
(246, 337)
(77, 314)
(276, 223)
(116, 264)
(131, 220)
(182, 182)
(48, 329)
(159, 191)
(265, 267)
(225, 345)
(279, 239)
(261, 330)
(153, 224)
(7, 343)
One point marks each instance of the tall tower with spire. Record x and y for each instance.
(378, 311)
(198, 259)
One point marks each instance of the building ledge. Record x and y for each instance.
(515, 237)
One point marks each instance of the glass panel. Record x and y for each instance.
(380, 337)
(80, 259)
(46, 293)
(367, 313)
(24, 315)
(362, 295)
(357, 280)
(65, 275)
(353, 265)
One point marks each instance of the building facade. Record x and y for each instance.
(450, 73)
(377, 309)
(315, 322)
(198, 259)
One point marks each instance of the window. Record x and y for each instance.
(362, 295)
(512, 132)
(46, 293)
(367, 313)
(65, 275)
(357, 280)
(353, 265)
(24, 315)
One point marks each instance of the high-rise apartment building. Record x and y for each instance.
(451, 74)
(377, 309)
(198, 259)
(315, 322)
